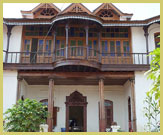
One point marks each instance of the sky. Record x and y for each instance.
(140, 10)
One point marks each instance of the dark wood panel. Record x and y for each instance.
(105, 67)
(44, 81)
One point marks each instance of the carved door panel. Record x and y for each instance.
(108, 113)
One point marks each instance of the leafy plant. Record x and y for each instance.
(152, 100)
(25, 116)
(154, 74)
(152, 113)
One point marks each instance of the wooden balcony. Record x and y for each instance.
(76, 56)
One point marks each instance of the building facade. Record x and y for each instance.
(88, 67)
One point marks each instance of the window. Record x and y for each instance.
(47, 12)
(40, 47)
(60, 31)
(115, 32)
(73, 47)
(76, 32)
(157, 39)
(60, 46)
(95, 47)
(80, 48)
(112, 48)
(38, 31)
(90, 48)
(27, 47)
(48, 47)
(104, 48)
(126, 48)
(118, 48)
(92, 32)
(106, 13)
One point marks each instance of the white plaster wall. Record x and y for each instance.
(15, 43)
(9, 88)
(4, 40)
(113, 93)
(138, 44)
(142, 85)
(23, 89)
(138, 40)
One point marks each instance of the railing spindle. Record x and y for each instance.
(16, 58)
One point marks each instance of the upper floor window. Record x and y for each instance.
(157, 39)
(40, 47)
(48, 47)
(115, 32)
(60, 31)
(37, 31)
(48, 12)
(115, 48)
(106, 13)
(76, 32)
(27, 46)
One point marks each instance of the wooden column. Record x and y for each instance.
(50, 104)
(102, 107)
(86, 31)
(146, 34)
(67, 28)
(54, 46)
(9, 28)
(99, 36)
(18, 88)
(133, 105)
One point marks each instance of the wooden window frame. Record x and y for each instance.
(157, 39)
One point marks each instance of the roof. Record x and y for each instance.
(111, 6)
(80, 5)
(43, 21)
(112, 12)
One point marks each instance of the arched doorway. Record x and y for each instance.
(108, 113)
(55, 109)
(76, 112)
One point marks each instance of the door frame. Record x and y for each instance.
(76, 99)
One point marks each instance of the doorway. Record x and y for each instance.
(76, 116)
(33, 55)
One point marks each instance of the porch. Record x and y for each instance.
(96, 87)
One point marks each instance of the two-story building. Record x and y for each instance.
(88, 67)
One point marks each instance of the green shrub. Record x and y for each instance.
(25, 116)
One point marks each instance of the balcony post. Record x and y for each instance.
(54, 46)
(67, 28)
(9, 29)
(102, 106)
(50, 104)
(133, 106)
(146, 34)
(99, 36)
(86, 30)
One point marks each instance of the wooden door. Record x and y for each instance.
(33, 55)
(108, 113)
(54, 116)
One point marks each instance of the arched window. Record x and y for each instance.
(157, 39)
(106, 13)
(47, 12)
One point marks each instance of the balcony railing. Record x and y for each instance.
(76, 53)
